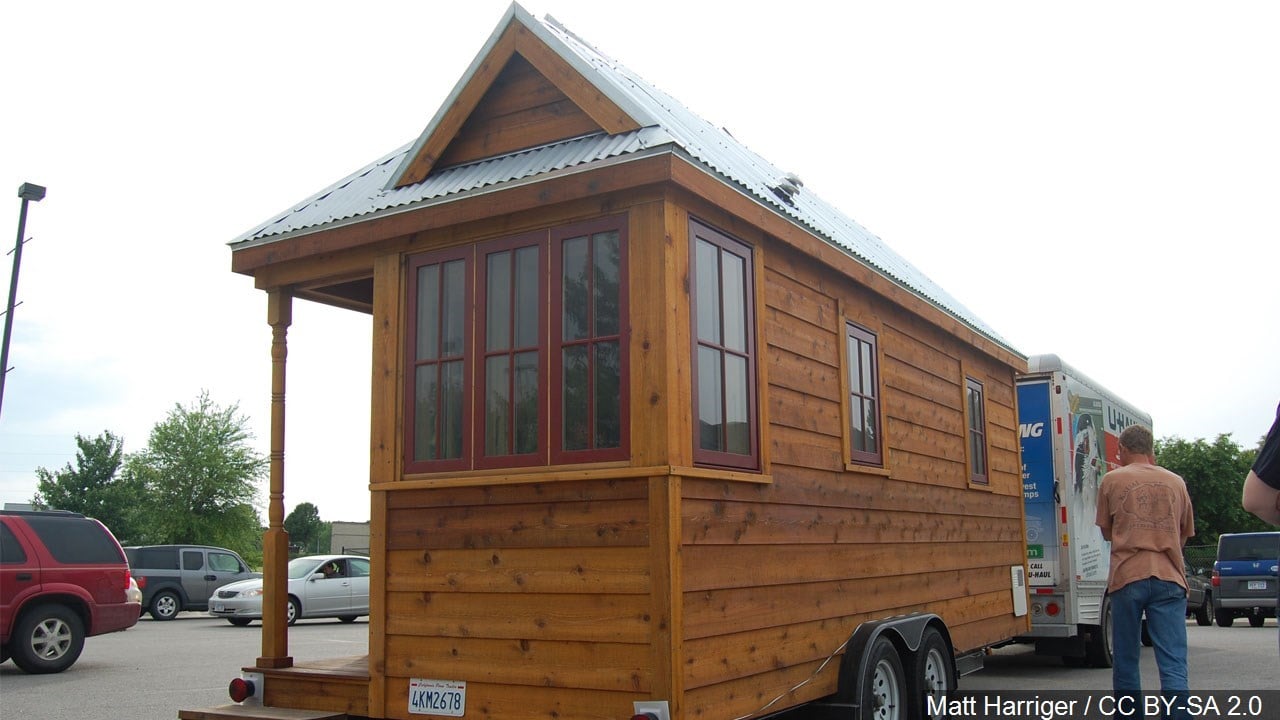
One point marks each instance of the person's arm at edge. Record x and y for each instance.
(1261, 499)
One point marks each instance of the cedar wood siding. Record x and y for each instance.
(776, 576)
(552, 594)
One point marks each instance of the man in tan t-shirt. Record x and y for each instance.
(1145, 511)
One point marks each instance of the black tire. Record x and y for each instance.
(931, 677)
(348, 618)
(295, 610)
(47, 639)
(239, 622)
(165, 605)
(4, 653)
(1074, 661)
(1223, 617)
(1098, 649)
(1202, 612)
(1256, 619)
(883, 688)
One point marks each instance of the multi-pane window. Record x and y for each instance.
(975, 411)
(517, 351)
(512, 316)
(439, 374)
(724, 350)
(588, 334)
(864, 410)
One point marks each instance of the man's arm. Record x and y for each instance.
(1261, 499)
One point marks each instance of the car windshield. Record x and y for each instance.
(303, 567)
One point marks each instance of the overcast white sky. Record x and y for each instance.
(1096, 179)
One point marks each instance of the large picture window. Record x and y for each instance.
(864, 405)
(724, 358)
(517, 351)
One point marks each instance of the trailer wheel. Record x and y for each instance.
(1098, 649)
(932, 676)
(882, 689)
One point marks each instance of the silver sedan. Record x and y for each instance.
(319, 586)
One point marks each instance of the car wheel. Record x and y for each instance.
(295, 610)
(348, 618)
(1256, 619)
(1224, 617)
(883, 687)
(48, 639)
(239, 622)
(165, 605)
(932, 676)
(1202, 612)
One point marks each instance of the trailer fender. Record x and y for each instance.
(904, 631)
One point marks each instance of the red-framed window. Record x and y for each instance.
(590, 363)
(724, 350)
(864, 404)
(511, 278)
(439, 371)
(976, 414)
(517, 351)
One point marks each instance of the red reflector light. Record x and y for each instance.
(240, 689)
(1052, 609)
(1044, 591)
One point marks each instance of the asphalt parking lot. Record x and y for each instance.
(154, 669)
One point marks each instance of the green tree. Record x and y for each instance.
(92, 486)
(306, 530)
(1215, 473)
(201, 477)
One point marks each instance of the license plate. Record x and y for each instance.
(217, 607)
(438, 697)
(1257, 584)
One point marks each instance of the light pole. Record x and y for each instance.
(29, 192)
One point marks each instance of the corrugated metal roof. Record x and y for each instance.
(367, 192)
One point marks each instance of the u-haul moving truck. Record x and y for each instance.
(1069, 427)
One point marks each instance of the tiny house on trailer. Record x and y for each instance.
(651, 422)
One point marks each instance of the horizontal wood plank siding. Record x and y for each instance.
(777, 576)
(537, 595)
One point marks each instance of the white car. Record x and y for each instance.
(319, 586)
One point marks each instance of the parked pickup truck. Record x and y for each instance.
(174, 578)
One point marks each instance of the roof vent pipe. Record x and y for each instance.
(788, 186)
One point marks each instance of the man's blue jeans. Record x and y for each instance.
(1165, 605)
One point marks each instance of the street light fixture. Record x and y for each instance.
(29, 192)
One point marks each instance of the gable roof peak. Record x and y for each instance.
(520, 33)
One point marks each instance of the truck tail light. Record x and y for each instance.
(1052, 609)
(1216, 580)
(142, 581)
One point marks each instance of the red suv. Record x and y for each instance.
(63, 577)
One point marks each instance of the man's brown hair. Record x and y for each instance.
(1137, 439)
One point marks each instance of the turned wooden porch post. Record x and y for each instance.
(275, 543)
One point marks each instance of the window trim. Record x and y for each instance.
(555, 386)
(726, 243)
(409, 417)
(859, 459)
(972, 385)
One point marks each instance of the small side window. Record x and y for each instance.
(863, 395)
(192, 559)
(976, 414)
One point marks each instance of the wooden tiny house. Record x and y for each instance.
(650, 421)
